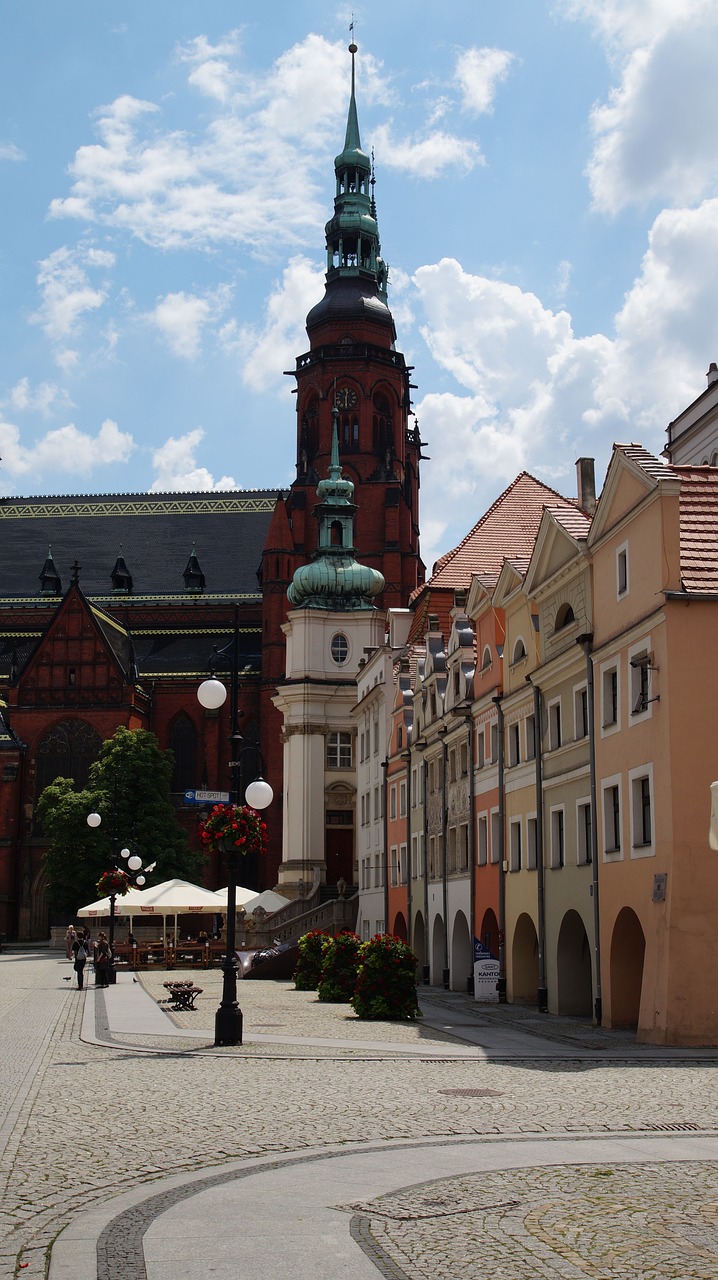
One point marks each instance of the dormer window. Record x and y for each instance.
(486, 659)
(564, 617)
(519, 651)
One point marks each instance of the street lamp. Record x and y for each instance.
(134, 862)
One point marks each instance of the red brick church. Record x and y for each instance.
(111, 606)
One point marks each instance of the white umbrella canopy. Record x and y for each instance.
(241, 895)
(173, 897)
(95, 910)
(269, 901)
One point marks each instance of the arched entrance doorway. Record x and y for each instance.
(573, 960)
(489, 935)
(399, 927)
(419, 942)
(437, 952)
(524, 962)
(462, 955)
(628, 947)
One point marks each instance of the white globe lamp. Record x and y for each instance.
(259, 794)
(212, 694)
(93, 819)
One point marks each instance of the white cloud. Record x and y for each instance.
(182, 317)
(229, 184)
(427, 157)
(479, 72)
(67, 293)
(533, 395)
(43, 398)
(65, 450)
(8, 151)
(177, 469)
(269, 348)
(628, 24)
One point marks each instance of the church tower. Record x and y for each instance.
(352, 367)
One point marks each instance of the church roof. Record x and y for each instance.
(156, 532)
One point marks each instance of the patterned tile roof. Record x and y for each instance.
(646, 461)
(571, 518)
(155, 531)
(698, 506)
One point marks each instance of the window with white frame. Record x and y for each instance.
(486, 659)
(609, 697)
(554, 725)
(451, 864)
(558, 838)
(622, 580)
(584, 833)
(414, 788)
(531, 843)
(464, 756)
(415, 857)
(640, 781)
(365, 930)
(392, 803)
(497, 852)
(580, 712)
(531, 737)
(378, 872)
(494, 743)
(402, 864)
(377, 804)
(380, 928)
(376, 737)
(611, 800)
(452, 765)
(514, 731)
(515, 845)
(482, 840)
(480, 748)
(464, 847)
(402, 799)
(641, 669)
(432, 858)
(339, 750)
(340, 648)
(394, 866)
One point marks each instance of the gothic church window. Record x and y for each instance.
(183, 743)
(66, 751)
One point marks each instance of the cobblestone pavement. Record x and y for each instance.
(85, 1123)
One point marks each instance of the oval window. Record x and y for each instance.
(340, 648)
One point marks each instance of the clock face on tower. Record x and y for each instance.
(345, 398)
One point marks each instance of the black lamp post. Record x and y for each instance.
(258, 795)
(135, 871)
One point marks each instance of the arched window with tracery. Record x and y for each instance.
(382, 434)
(66, 751)
(183, 743)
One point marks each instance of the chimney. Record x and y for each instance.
(712, 374)
(586, 482)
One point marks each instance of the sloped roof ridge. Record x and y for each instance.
(646, 460)
(164, 494)
(523, 475)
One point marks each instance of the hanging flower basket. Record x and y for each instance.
(113, 882)
(234, 826)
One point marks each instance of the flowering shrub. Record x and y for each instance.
(386, 979)
(339, 968)
(238, 825)
(117, 882)
(308, 969)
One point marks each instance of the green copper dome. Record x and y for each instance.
(334, 579)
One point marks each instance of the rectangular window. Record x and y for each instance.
(622, 570)
(514, 747)
(452, 765)
(515, 846)
(609, 690)
(531, 737)
(494, 743)
(554, 725)
(378, 872)
(451, 853)
(414, 857)
(640, 672)
(414, 788)
(394, 866)
(376, 737)
(482, 843)
(339, 751)
(612, 818)
(497, 852)
(464, 847)
(380, 929)
(365, 930)
(558, 849)
(480, 748)
(392, 803)
(402, 799)
(531, 844)
(642, 823)
(432, 857)
(402, 864)
(464, 759)
(584, 833)
(580, 713)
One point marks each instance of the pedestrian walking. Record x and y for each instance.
(80, 954)
(103, 958)
(69, 939)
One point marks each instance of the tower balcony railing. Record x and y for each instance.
(351, 352)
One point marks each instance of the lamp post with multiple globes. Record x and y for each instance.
(137, 874)
(212, 693)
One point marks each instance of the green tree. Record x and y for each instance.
(129, 786)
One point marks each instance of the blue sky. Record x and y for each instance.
(547, 194)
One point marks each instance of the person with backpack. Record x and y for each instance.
(80, 954)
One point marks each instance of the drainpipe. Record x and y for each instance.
(501, 984)
(585, 642)
(542, 994)
(409, 904)
(426, 976)
(446, 975)
(471, 851)
(385, 828)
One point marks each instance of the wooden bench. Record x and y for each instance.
(182, 995)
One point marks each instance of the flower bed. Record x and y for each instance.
(386, 980)
(339, 968)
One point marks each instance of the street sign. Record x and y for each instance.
(206, 797)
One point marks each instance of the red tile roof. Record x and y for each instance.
(698, 507)
(571, 518)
